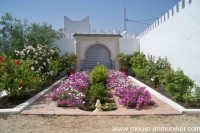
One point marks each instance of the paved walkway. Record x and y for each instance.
(44, 105)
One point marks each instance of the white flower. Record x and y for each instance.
(44, 63)
(29, 47)
(22, 53)
(32, 68)
(51, 72)
(36, 62)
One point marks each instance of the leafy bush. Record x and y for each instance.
(178, 84)
(159, 72)
(69, 60)
(16, 77)
(99, 74)
(156, 69)
(139, 62)
(16, 33)
(46, 60)
(124, 60)
(162, 66)
(98, 91)
(41, 57)
(196, 95)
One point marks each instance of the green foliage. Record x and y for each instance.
(16, 77)
(159, 72)
(98, 91)
(99, 74)
(178, 84)
(68, 60)
(14, 33)
(139, 62)
(155, 69)
(196, 95)
(151, 69)
(124, 60)
(162, 66)
(43, 34)
(46, 60)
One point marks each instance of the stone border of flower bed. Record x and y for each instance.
(167, 100)
(24, 105)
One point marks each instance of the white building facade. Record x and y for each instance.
(94, 47)
(175, 35)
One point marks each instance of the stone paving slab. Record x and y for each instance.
(44, 105)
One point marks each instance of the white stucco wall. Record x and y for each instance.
(178, 38)
(129, 45)
(83, 43)
(65, 45)
(71, 27)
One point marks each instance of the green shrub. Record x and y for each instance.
(98, 91)
(155, 69)
(159, 71)
(124, 60)
(139, 62)
(178, 84)
(196, 95)
(99, 74)
(17, 78)
(162, 65)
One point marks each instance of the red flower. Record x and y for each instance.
(17, 62)
(1, 58)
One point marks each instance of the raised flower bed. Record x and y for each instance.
(80, 90)
(130, 94)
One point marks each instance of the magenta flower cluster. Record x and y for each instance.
(119, 79)
(70, 91)
(79, 81)
(130, 95)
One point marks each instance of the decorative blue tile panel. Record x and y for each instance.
(97, 54)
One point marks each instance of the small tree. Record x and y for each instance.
(14, 33)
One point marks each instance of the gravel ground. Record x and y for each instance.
(99, 124)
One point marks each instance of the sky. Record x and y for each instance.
(104, 14)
